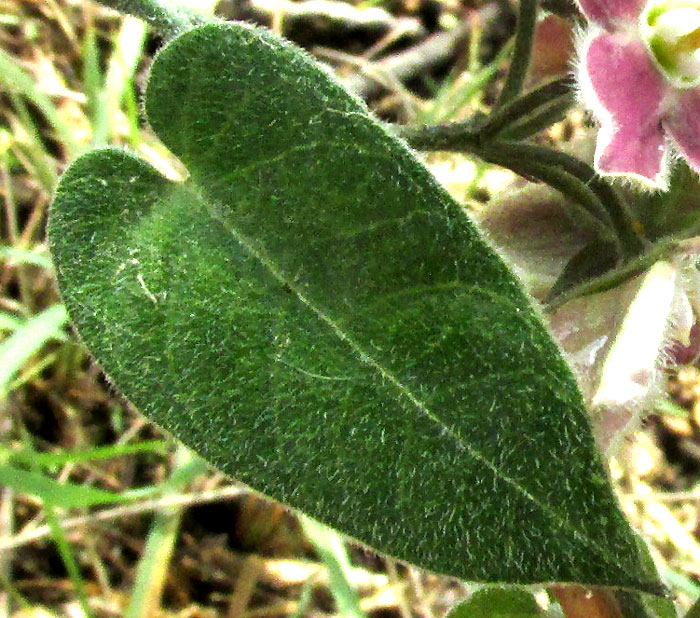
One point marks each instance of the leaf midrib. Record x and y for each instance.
(212, 208)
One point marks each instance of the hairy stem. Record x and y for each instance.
(165, 17)
(588, 209)
(543, 119)
(525, 105)
(521, 54)
(627, 227)
(609, 207)
(585, 209)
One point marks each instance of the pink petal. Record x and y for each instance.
(625, 90)
(682, 122)
(609, 13)
(552, 48)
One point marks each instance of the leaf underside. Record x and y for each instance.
(317, 317)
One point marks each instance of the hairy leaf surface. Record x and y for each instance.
(317, 317)
(498, 602)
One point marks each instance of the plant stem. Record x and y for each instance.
(528, 114)
(521, 54)
(163, 16)
(525, 105)
(627, 227)
(608, 206)
(587, 209)
(543, 119)
(454, 136)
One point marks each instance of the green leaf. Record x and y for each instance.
(596, 258)
(313, 314)
(66, 495)
(500, 602)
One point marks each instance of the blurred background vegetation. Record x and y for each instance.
(101, 514)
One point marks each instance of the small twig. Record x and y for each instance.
(40, 532)
(6, 523)
(244, 588)
(401, 67)
(340, 15)
(416, 60)
(401, 30)
(370, 70)
(671, 496)
(677, 534)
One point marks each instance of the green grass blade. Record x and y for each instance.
(64, 495)
(64, 457)
(15, 79)
(121, 67)
(68, 558)
(9, 321)
(330, 547)
(28, 340)
(32, 150)
(153, 566)
(17, 255)
(93, 87)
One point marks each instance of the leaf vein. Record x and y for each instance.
(387, 375)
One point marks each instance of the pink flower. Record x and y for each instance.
(639, 72)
